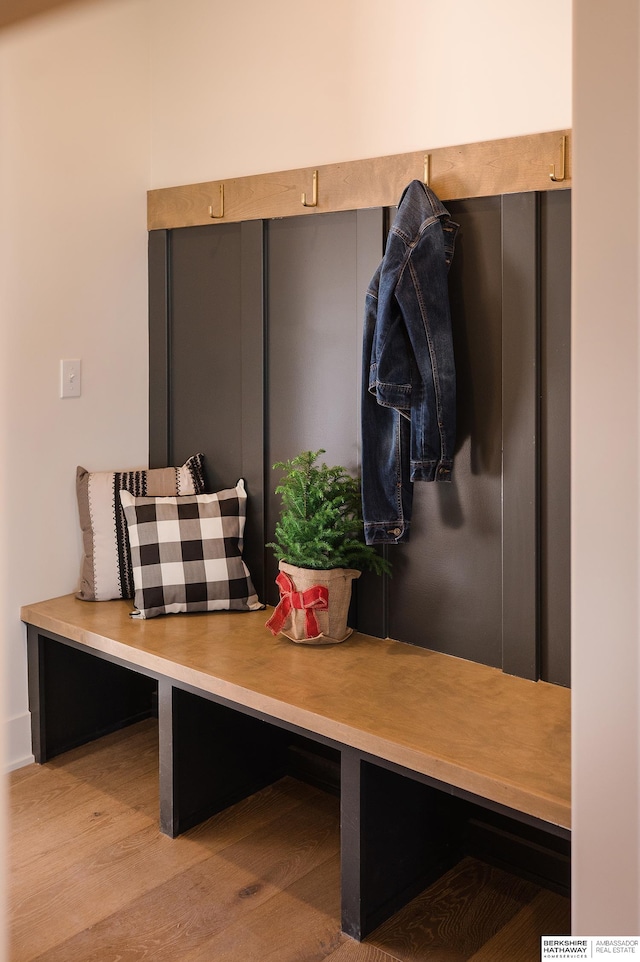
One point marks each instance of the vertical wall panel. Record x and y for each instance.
(372, 595)
(159, 348)
(205, 370)
(313, 365)
(213, 336)
(314, 318)
(446, 590)
(520, 434)
(252, 396)
(555, 466)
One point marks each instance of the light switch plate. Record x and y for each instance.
(70, 377)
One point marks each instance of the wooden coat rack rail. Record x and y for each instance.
(511, 165)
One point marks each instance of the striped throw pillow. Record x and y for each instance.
(106, 570)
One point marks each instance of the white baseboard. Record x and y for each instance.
(18, 751)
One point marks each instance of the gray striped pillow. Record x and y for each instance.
(106, 570)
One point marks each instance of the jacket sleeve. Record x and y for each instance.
(390, 367)
(422, 294)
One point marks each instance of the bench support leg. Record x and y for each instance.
(210, 757)
(398, 836)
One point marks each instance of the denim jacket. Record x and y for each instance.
(409, 381)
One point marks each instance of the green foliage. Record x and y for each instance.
(320, 523)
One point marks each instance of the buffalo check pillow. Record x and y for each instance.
(106, 563)
(187, 553)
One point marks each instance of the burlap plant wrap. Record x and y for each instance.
(314, 604)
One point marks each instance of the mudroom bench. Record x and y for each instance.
(419, 738)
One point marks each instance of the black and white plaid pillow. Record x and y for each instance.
(187, 553)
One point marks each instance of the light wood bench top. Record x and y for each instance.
(503, 738)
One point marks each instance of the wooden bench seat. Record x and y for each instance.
(417, 732)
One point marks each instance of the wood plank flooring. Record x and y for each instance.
(93, 880)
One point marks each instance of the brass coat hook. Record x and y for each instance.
(427, 170)
(221, 214)
(314, 193)
(556, 178)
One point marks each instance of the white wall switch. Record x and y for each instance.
(70, 378)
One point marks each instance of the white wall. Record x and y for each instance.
(74, 109)
(245, 88)
(606, 470)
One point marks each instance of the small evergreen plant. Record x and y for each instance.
(321, 523)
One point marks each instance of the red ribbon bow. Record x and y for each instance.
(316, 597)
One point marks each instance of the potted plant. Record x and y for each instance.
(320, 547)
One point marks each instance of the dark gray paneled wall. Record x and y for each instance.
(206, 361)
(206, 371)
(256, 337)
(318, 269)
(446, 592)
(313, 357)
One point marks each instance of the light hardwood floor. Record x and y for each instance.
(93, 880)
